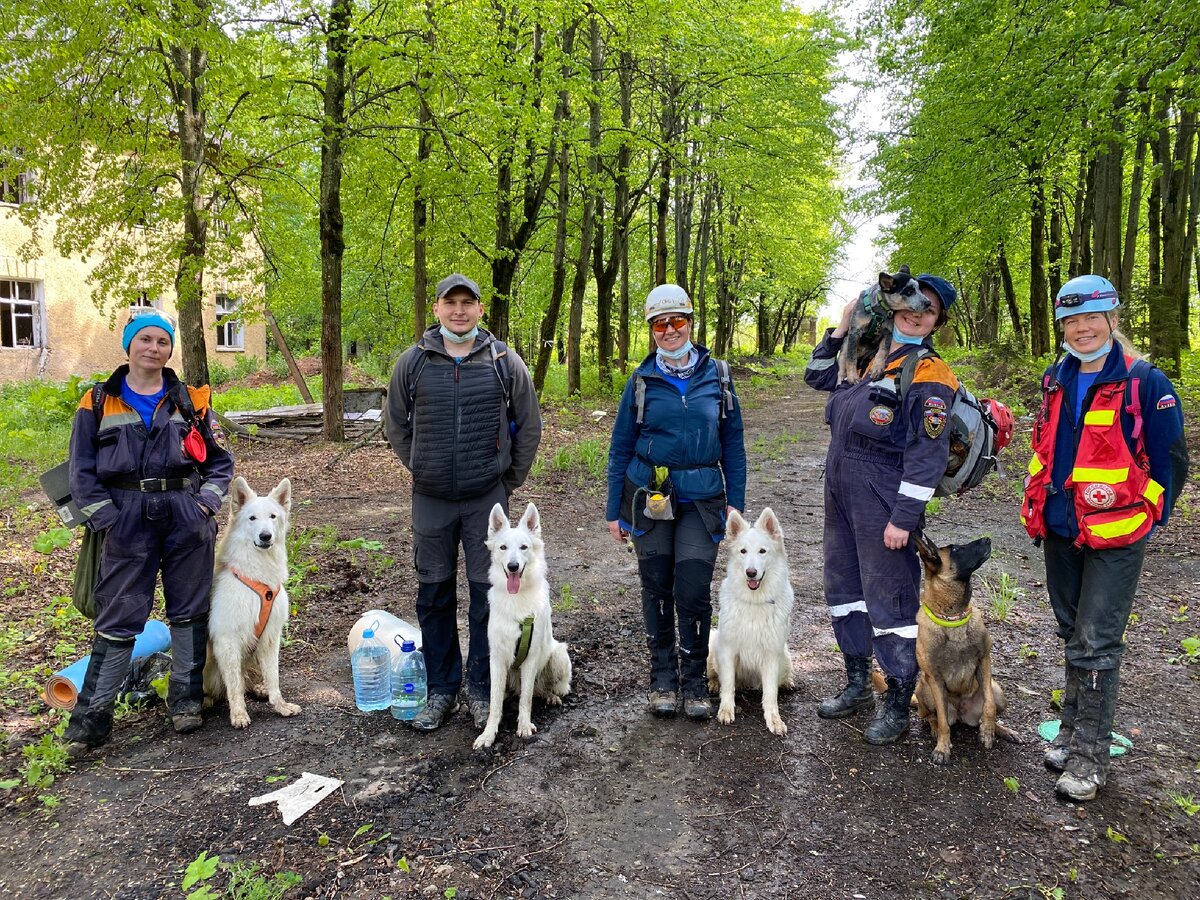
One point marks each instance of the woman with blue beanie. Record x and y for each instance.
(1109, 461)
(149, 468)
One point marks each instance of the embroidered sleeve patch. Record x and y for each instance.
(935, 423)
(1166, 402)
(935, 403)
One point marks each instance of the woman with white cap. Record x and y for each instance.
(676, 465)
(1109, 461)
(149, 468)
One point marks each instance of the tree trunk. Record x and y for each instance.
(1010, 296)
(1039, 327)
(579, 285)
(700, 293)
(1134, 212)
(333, 245)
(188, 67)
(420, 203)
(550, 324)
(1054, 250)
(1166, 341)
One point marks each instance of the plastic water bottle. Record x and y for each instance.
(410, 687)
(371, 664)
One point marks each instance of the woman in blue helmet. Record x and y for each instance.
(1109, 461)
(886, 456)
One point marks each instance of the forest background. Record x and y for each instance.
(570, 154)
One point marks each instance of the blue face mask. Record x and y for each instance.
(900, 337)
(681, 353)
(459, 338)
(1088, 357)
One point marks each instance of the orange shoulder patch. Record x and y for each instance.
(934, 369)
(201, 397)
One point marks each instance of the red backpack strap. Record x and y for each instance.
(1133, 399)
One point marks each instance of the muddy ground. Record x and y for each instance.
(605, 801)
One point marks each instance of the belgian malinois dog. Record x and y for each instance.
(954, 649)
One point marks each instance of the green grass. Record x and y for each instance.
(35, 428)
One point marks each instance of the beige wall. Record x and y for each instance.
(78, 337)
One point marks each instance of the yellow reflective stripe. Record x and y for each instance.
(1119, 528)
(1104, 476)
(1153, 491)
(1035, 465)
(1100, 417)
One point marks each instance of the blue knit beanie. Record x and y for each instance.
(137, 323)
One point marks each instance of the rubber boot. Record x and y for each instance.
(1059, 750)
(185, 687)
(1087, 765)
(891, 719)
(856, 695)
(92, 718)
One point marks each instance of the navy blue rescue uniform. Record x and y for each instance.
(885, 459)
(117, 470)
(684, 430)
(156, 506)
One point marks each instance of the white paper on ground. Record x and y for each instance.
(300, 796)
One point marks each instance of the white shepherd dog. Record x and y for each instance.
(749, 649)
(249, 602)
(525, 657)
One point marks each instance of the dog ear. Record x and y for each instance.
(241, 493)
(886, 282)
(282, 494)
(497, 520)
(734, 524)
(928, 551)
(531, 520)
(769, 523)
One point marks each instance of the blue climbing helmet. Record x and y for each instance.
(1085, 294)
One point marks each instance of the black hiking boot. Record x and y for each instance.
(855, 696)
(1060, 748)
(891, 719)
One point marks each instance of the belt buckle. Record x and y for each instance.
(151, 485)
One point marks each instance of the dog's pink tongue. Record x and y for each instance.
(514, 582)
(753, 583)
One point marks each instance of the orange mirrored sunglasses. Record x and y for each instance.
(659, 326)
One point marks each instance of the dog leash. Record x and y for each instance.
(266, 600)
(524, 641)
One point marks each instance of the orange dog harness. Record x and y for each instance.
(266, 599)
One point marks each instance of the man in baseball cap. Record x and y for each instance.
(463, 417)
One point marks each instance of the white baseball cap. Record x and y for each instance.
(667, 298)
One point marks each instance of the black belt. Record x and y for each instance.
(154, 485)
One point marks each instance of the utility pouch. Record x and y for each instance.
(87, 571)
(660, 497)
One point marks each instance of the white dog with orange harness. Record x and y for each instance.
(249, 602)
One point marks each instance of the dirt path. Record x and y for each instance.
(607, 802)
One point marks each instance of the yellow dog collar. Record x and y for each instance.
(948, 623)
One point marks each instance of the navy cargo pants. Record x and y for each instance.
(872, 592)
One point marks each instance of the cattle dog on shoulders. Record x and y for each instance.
(870, 331)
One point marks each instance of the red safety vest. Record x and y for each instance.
(1116, 500)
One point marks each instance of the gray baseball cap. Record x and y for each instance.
(450, 282)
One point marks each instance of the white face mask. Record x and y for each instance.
(681, 353)
(459, 338)
(1088, 357)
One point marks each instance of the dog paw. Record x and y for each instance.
(725, 714)
(776, 725)
(526, 730)
(209, 702)
(239, 719)
(286, 709)
(714, 685)
(484, 740)
(986, 738)
(941, 757)
(553, 700)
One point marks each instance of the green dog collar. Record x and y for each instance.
(948, 623)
